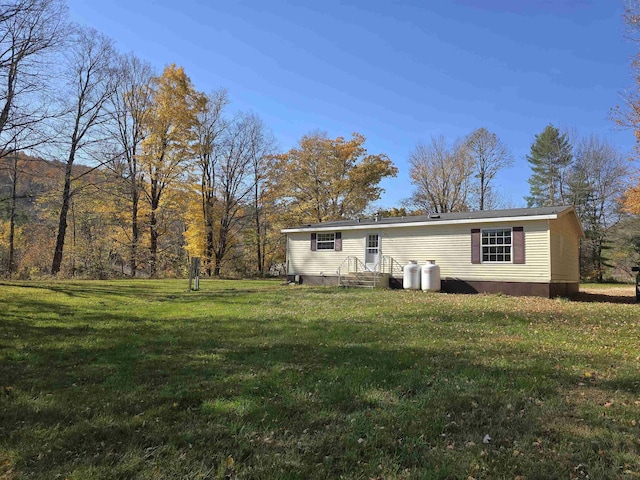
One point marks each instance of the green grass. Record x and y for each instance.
(143, 380)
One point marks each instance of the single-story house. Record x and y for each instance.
(523, 251)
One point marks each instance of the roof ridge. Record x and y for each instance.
(441, 217)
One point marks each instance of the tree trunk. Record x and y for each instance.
(153, 228)
(153, 244)
(133, 253)
(12, 215)
(73, 239)
(263, 240)
(208, 222)
(62, 222)
(221, 248)
(218, 255)
(209, 249)
(259, 252)
(483, 188)
(598, 255)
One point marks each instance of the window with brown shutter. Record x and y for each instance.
(326, 241)
(313, 242)
(496, 245)
(338, 242)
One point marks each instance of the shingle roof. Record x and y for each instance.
(440, 217)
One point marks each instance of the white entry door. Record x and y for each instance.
(372, 254)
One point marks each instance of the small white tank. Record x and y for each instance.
(431, 276)
(411, 276)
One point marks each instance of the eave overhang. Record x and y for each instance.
(428, 223)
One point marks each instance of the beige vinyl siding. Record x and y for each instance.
(565, 254)
(302, 261)
(448, 245)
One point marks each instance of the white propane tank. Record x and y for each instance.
(411, 276)
(431, 276)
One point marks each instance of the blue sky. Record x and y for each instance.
(396, 71)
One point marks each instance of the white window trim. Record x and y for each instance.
(496, 262)
(332, 242)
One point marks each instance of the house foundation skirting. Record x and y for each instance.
(548, 290)
(517, 289)
(313, 279)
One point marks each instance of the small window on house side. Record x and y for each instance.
(496, 246)
(326, 241)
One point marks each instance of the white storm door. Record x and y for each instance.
(372, 253)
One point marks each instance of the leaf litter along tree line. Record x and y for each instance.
(149, 170)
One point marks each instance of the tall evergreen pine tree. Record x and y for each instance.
(549, 158)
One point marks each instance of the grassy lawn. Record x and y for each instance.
(253, 379)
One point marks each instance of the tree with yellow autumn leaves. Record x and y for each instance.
(167, 145)
(186, 177)
(325, 179)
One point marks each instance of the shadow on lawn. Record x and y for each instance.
(85, 288)
(88, 398)
(129, 399)
(156, 290)
(603, 298)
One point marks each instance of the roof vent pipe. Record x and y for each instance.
(376, 217)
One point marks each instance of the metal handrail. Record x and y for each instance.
(347, 260)
(355, 265)
(351, 261)
(388, 260)
(352, 264)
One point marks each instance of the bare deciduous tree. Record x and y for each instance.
(233, 182)
(597, 179)
(632, 18)
(261, 149)
(129, 106)
(489, 156)
(210, 127)
(31, 31)
(13, 177)
(627, 113)
(441, 175)
(91, 82)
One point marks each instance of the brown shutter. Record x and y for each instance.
(338, 242)
(314, 242)
(518, 244)
(475, 245)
